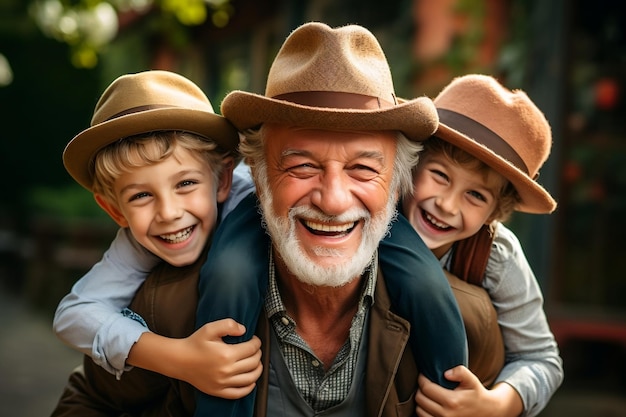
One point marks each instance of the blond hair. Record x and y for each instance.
(147, 149)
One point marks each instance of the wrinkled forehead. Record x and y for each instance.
(289, 140)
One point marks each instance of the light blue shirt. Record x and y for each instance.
(89, 318)
(533, 366)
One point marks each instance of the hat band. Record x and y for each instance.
(482, 135)
(138, 109)
(336, 100)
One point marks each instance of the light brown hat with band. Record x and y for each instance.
(140, 103)
(502, 128)
(335, 79)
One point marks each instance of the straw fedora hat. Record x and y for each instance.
(335, 79)
(140, 103)
(502, 128)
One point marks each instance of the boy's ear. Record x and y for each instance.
(111, 210)
(226, 179)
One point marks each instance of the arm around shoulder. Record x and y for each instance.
(89, 318)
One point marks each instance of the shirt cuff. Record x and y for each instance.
(113, 342)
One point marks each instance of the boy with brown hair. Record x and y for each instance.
(480, 166)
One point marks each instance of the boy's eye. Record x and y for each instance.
(138, 196)
(186, 183)
(439, 174)
(478, 196)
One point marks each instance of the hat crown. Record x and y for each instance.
(315, 57)
(145, 102)
(335, 79)
(511, 115)
(133, 93)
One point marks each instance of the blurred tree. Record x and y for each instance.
(88, 26)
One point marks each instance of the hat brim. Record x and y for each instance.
(534, 198)
(417, 119)
(79, 152)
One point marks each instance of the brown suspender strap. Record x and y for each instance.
(484, 338)
(470, 256)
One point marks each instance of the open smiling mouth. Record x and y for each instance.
(323, 229)
(179, 236)
(434, 222)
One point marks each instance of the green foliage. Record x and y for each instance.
(464, 49)
(89, 26)
(514, 54)
(70, 202)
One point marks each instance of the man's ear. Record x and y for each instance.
(111, 210)
(225, 180)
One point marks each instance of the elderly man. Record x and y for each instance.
(329, 162)
(331, 150)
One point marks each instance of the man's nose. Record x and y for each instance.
(333, 196)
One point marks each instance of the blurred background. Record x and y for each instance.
(57, 56)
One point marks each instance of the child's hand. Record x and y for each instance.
(203, 359)
(469, 399)
(223, 370)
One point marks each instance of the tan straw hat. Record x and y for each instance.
(502, 128)
(141, 103)
(336, 79)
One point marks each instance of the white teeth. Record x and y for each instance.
(177, 237)
(436, 222)
(320, 227)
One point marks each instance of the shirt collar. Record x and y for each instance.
(274, 303)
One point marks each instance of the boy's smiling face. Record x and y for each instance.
(170, 207)
(450, 202)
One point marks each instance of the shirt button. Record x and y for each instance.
(285, 321)
(315, 363)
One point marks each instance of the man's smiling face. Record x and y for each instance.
(327, 199)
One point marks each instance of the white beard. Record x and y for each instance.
(283, 233)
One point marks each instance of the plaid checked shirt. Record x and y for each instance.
(320, 389)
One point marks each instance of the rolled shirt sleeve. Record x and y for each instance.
(533, 366)
(89, 317)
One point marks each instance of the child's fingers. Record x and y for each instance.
(248, 363)
(221, 328)
(247, 375)
(462, 375)
(242, 383)
(247, 348)
(234, 393)
(245, 379)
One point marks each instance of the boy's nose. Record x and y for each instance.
(169, 210)
(447, 203)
